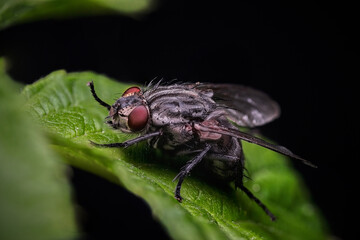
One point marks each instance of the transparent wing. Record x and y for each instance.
(245, 106)
(211, 127)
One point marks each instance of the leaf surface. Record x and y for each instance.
(19, 11)
(35, 197)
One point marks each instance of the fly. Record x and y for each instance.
(197, 118)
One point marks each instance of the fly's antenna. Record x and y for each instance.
(92, 89)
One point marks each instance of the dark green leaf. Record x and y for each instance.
(35, 201)
(16, 11)
(63, 103)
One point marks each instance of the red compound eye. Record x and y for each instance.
(138, 118)
(131, 91)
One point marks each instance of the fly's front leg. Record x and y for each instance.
(92, 89)
(185, 170)
(128, 142)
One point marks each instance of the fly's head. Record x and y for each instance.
(129, 113)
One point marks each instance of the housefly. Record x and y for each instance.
(199, 119)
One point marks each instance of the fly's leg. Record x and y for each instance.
(128, 142)
(251, 196)
(185, 170)
(239, 184)
(92, 89)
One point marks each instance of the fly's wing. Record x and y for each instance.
(213, 127)
(245, 106)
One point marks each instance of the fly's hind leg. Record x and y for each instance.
(239, 184)
(185, 170)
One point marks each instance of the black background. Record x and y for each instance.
(301, 53)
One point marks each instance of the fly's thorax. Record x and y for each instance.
(177, 104)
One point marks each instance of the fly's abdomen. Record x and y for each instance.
(224, 158)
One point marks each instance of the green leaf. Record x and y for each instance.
(35, 201)
(63, 103)
(17, 11)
